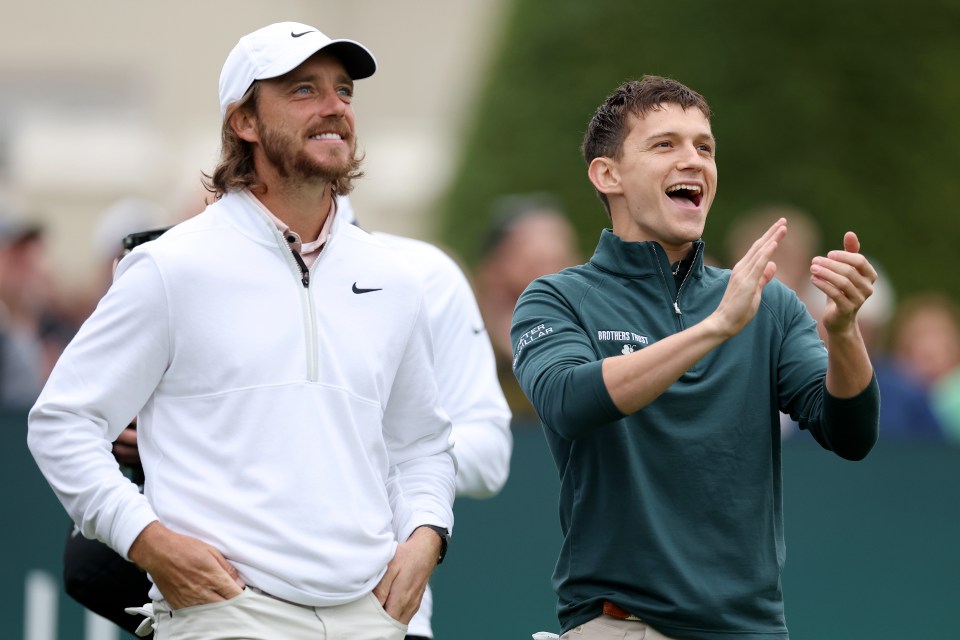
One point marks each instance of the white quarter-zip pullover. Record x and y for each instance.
(291, 422)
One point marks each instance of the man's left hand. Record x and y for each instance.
(401, 588)
(847, 278)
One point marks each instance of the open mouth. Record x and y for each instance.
(685, 195)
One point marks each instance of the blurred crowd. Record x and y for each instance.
(914, 337)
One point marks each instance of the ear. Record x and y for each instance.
(605, 175)
(244, 124)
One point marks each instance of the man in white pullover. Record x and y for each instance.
(470, 393)
(299, 471)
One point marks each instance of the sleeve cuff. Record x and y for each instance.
(124, 536)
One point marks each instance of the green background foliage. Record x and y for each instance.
(843, 108)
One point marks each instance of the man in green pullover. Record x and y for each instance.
(659, 381)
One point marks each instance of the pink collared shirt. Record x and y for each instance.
(309, 251)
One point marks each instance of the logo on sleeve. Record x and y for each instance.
(538, 332)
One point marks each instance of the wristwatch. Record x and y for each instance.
(444, 539)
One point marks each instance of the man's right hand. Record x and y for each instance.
(187, 571)
(747, 280)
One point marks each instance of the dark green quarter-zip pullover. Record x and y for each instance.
(675, 513)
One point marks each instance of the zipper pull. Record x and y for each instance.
(676, 308)
(304, 272)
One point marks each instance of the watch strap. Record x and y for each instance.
(444, 534)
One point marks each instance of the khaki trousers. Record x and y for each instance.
(257, 616)
(607, 628)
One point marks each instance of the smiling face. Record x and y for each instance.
(661, 186)
(304, 125)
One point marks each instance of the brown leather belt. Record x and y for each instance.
(612, 610)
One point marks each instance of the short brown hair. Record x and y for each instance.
(608, 127)
(235, 170)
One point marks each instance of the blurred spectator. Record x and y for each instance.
(794, 253)
(946, 402)
(21, 349)
(33, 325)
(906, 411)
(530, 237)
(925, 342)
(119, 219)
(925, 336)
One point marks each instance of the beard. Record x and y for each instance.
(292, 161)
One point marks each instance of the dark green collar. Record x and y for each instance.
(641, 259)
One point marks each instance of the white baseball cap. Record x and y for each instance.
(281, 47)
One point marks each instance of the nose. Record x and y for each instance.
(331, 104)
(690, 158)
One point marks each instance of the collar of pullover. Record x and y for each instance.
(639, 259)
(250, 216)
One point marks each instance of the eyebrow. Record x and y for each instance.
(673, 134)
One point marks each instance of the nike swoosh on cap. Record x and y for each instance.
(297, 35)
